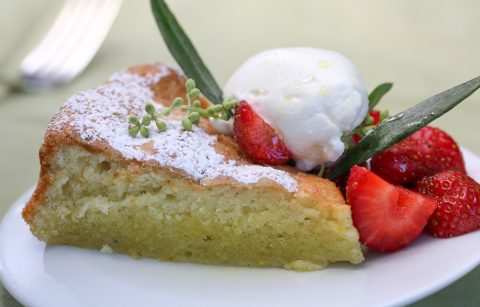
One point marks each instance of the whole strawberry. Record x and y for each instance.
(458, 203)
(260, 141)
(424, 153)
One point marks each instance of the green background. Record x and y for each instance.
(424, 47)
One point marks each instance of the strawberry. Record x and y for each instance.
(376, 116)
(458, 203)
(387, 217)
(342, 180)
(376, 119)
(424, 153)
(260, 141)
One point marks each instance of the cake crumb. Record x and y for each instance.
(106, 249)
(305, 266)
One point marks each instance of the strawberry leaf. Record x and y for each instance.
(400, 126)
(377, 94)
(184, 52)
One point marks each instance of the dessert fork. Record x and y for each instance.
(69, 45)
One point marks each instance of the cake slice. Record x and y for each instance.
(189, 196)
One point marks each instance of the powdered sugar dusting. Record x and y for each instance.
(102, 115)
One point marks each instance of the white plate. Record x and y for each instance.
(40, 275)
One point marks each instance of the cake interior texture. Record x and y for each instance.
(97, 201)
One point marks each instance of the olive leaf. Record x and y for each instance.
(184, 52)
(398, 127)
(377, 94)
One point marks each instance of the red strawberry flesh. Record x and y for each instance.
(387, 217)
(257, 138)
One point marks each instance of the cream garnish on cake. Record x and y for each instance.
(310, 96)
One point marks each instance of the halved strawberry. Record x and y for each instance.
(342, 180)
(387, 217)
(260, 141)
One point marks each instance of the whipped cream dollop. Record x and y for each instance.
(309, 96)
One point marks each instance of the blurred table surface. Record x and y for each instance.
(424, 47)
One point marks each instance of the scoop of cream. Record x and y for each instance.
(309, 96)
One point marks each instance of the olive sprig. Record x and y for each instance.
(363, 129)
(367, 125)
(193, 108)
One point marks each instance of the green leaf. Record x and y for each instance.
(400, 126)
(184, 52)
(377, 94)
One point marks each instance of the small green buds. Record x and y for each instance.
(365, 128)
(187, 124)
(190, 85)
(150, 109)
(368, 120)
(194, 93)
(223, 110)
(225, 115)
(137, 126)
(134, 131)
(210, 111)
(194, 117)
(146, 119)
(177, 102)
(217, 108)
(166, 112)
(144, 131)
(133, 120)
(229, 104)
(161, 126)
(203, 113)
(197, 104)
(383, 115)
(192, 108)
